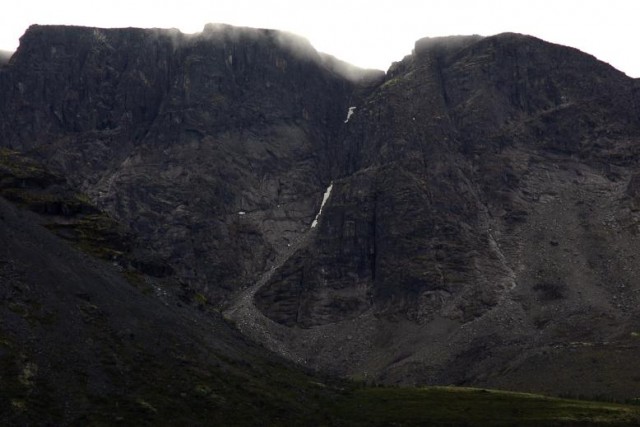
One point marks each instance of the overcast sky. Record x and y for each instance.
(367, 33)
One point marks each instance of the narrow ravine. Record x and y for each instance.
(249, 319)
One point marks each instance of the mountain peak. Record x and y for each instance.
(447, 42)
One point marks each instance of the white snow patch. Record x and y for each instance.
(241, 213)
(327, 193)
(350, 113)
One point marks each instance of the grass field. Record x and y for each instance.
(456, 406)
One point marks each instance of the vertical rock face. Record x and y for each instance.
(482, 219)
(79, 80)
(437, 154)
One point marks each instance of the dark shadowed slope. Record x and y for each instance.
(83, 343)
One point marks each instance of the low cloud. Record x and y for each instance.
(5, 55)
(351, 72)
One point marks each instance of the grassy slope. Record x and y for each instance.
(475, 407)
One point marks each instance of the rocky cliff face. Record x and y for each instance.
(193, 141)
(438, 157)
(480, 223)
(484, 212)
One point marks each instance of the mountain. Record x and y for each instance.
(470, 217)
(484, 229)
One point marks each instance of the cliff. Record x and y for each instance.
(478, 202)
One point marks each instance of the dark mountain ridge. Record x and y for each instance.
(480, 224)
(161, 99)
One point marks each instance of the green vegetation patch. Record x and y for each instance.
(69, 214)
(96, 234)
(14, 165)
(474, 407)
